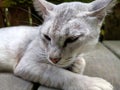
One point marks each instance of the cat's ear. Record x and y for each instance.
(43, 7)
(100, 8)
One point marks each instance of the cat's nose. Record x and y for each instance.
(55, 60)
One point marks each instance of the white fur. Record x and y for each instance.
(13, 43)
(27, 50)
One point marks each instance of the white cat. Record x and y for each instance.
(42, 54)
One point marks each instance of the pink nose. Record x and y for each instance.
(55, 60)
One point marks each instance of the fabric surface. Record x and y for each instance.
(11, 82)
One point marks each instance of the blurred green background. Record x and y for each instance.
(21, 12)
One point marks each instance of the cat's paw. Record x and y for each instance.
(94, 83)
(89, 83)
(79, 65)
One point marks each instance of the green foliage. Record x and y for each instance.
(9, 3)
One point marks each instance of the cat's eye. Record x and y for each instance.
(47, 37)
(70, 40)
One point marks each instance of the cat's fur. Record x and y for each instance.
(42, 54)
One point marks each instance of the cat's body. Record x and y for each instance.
(42, 54)
(13, 44)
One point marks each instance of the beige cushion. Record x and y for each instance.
(114, 46)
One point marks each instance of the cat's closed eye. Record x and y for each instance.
(47, 37)
(70, 40)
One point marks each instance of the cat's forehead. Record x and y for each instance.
(65, 28)
(62, 19)
(65, 21)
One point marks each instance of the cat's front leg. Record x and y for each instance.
(79, 65)
(31, 69)
(45, 74)
(53, 76)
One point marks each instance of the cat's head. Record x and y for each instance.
(70, 29)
